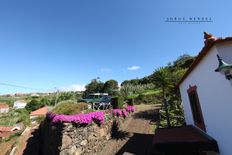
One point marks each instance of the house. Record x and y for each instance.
(7, 131)
(20, 104)
(35, 95)
(4, 108)
(39, 112)
(207, 95)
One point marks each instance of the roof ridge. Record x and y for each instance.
(210, 41)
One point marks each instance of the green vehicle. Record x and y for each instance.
(97, 100)
(94, 98)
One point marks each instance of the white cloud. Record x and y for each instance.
(74, 87)
(133, 68)
(106, 70)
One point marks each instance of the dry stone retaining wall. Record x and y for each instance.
(69, 139)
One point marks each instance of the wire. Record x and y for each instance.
(18, 86)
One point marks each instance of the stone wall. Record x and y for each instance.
(87, 140)
(68, 139)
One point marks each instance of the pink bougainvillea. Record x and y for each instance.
(130, 109)
(123, 112)
(85, 119)
(117, 112)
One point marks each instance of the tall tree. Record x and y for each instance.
(161, 78)
(95, 86)
(111, 87)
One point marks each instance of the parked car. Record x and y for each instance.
(97, 100)
(104, 103)
(93, 98)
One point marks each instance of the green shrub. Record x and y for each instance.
(34, 104)
(132, 96)
(70, 108)
(82, 106)
(15, 116)
(23, 116)
(39, 119)
(148, 98)
(117, 102)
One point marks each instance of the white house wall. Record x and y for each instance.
(215, 96)
(224, 50)
(19, 105)
(4, 110)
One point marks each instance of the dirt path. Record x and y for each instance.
(136, 135)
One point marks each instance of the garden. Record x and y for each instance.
(79, 114)
(86, 131)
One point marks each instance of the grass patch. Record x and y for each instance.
(15, 116)
(145, 92)
(148, 97)
(132, 96)
(9, 100)
(8, 121)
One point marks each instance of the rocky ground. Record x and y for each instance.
(135, 136)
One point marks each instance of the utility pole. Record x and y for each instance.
(57, 93)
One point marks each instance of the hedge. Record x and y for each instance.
(117, 102)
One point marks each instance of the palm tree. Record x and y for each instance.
(161, 78)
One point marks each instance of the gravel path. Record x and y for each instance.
(136, 134)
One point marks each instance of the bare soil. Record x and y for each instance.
(136, 135)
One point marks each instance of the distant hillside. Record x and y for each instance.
(164, 81)
(177, 68)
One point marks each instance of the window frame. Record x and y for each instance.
(196, 107)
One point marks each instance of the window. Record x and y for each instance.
(196, 107)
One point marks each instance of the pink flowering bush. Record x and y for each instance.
(123, 112)
(82, 119)
(130, 109)
(88, 118)
(117, 112)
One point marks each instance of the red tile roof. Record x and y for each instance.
(3, 105)
(39, 112)
(7, 134)
(210, 41)
(8, 128)
(7, 131)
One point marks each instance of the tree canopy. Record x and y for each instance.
(97, 86)
(111, 87)
(33, 105)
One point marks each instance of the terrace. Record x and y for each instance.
(182, 140)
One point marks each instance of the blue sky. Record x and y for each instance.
(65, 44)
